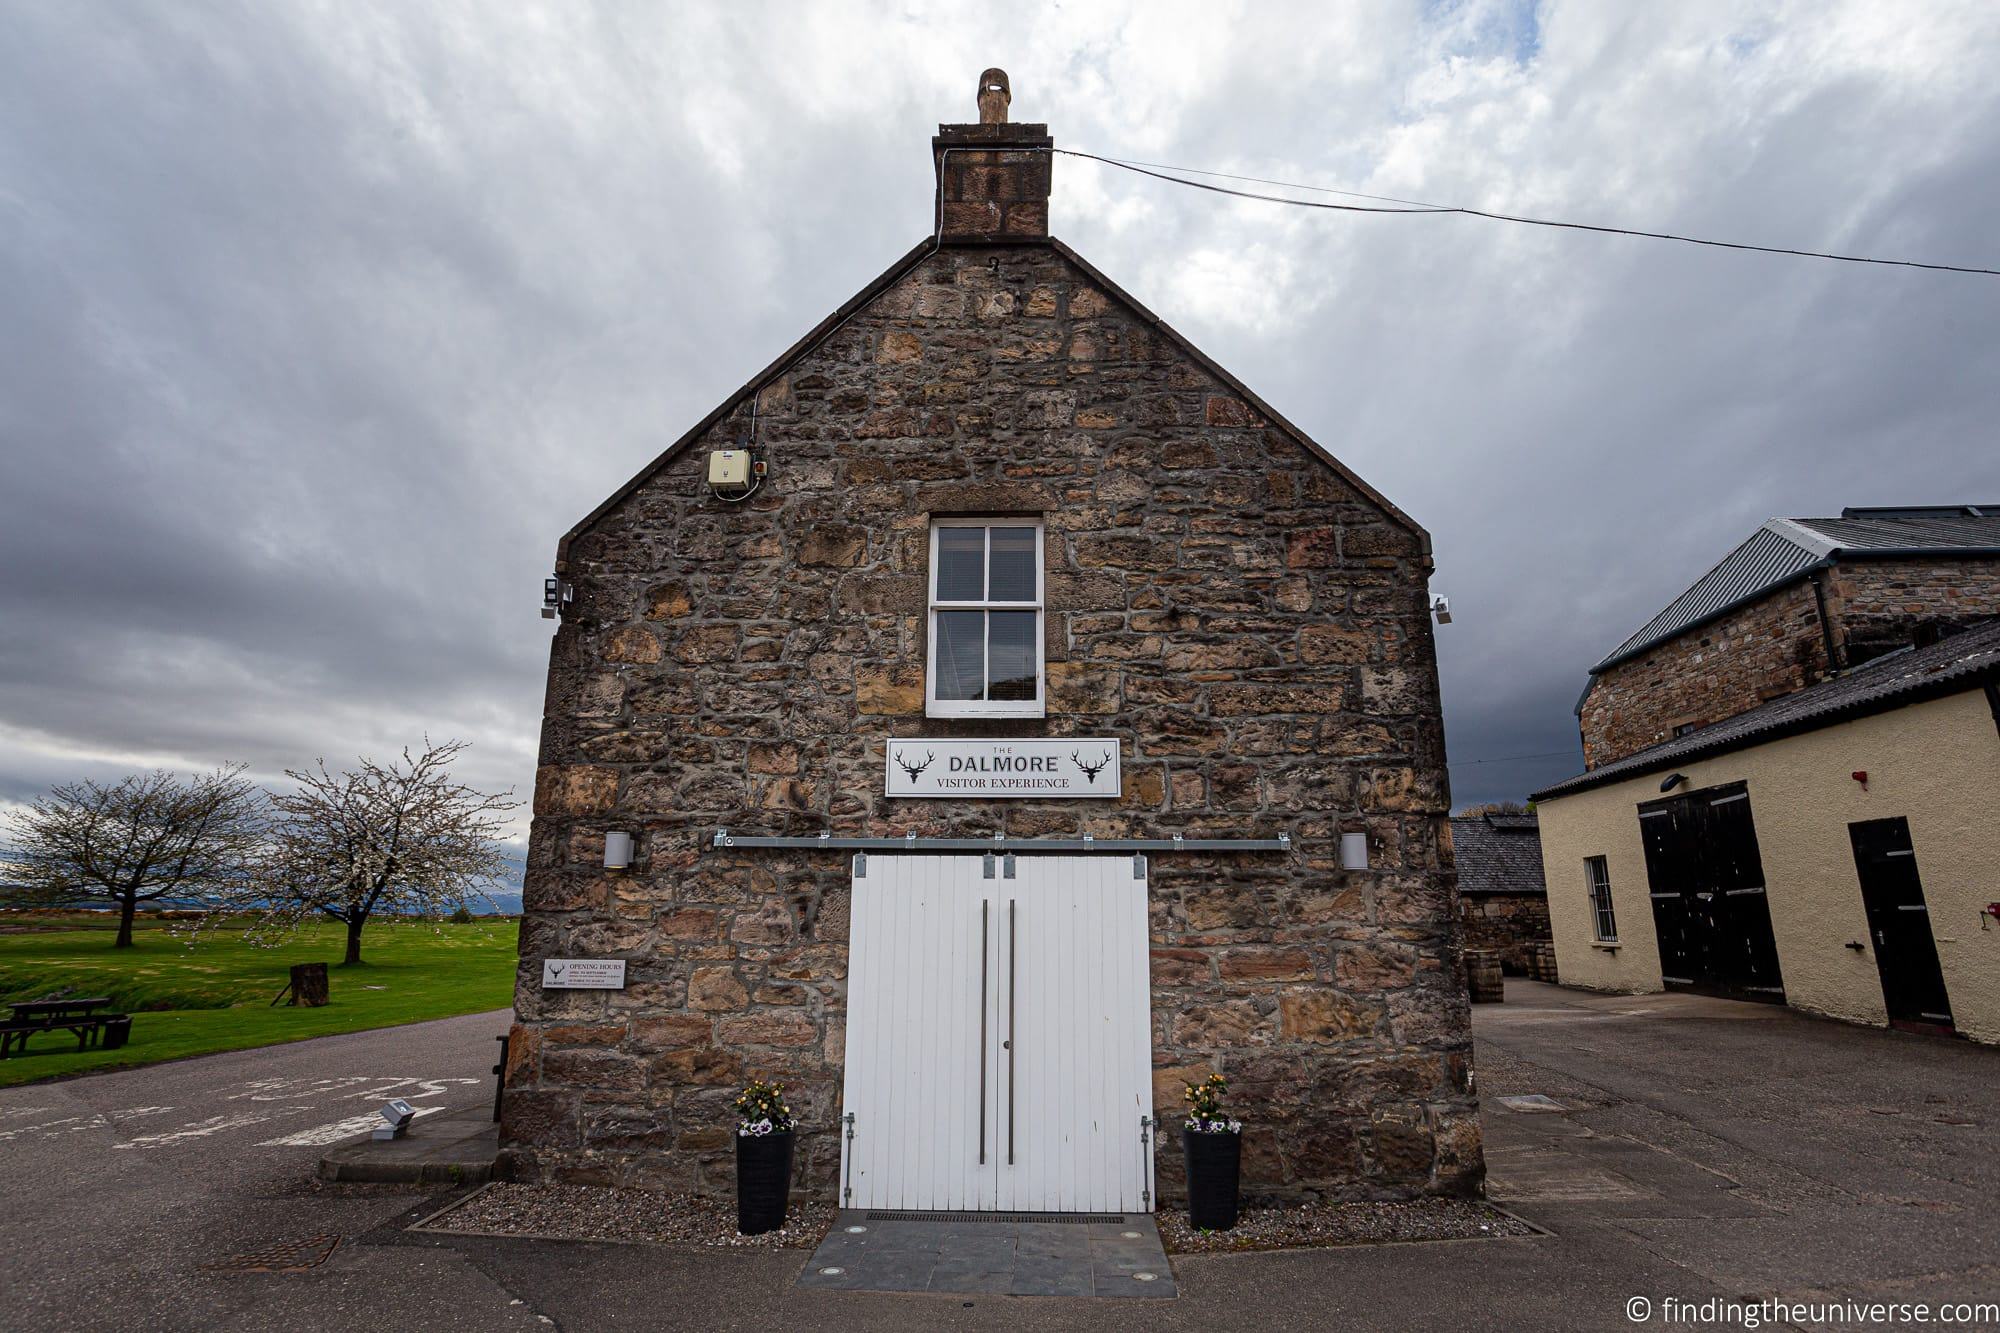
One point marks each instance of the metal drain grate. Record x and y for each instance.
(293, 1256)
(1113, 1218)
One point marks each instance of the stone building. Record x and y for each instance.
(1073, 721)
(1503, 904)
(1800, 601)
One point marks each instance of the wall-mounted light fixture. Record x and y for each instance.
(617, 851)
(1673, 780)
(1354, 851)
(1441, 608)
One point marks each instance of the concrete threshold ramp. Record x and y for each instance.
(999, 1254)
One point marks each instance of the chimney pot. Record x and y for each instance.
(994, 97)
(992, 176)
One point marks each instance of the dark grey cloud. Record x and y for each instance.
(318, 326)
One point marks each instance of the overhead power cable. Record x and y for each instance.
(1510, 758)
(1159, 172)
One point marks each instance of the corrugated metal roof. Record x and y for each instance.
(1958, 528)
(1786, 547)
(1767, 559)
(1958, 662)
(1498, 854)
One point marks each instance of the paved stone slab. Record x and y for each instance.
(1012, 1258)
(451, 1148)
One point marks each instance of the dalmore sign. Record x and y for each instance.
(1045, 768)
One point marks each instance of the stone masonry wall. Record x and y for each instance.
(1776, 646)
(1878, 605)
(1771, 647)
(1252, 628)
(1507, 923)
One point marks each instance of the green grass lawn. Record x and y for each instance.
(215, 995)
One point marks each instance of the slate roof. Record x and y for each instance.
(1498, 854)
(1959, 662)
(1785, 548)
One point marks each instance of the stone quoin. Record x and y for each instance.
(999, 501)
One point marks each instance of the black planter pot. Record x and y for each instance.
(1214, 1165)
(763, 1181)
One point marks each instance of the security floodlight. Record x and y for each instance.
(1673, 780)
(1441, 608)
(396, 1117)
(556, 595)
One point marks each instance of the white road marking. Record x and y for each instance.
(321, 1136)
(301, 1093)
(288, 1089)
(426, 1087)
(48, 1127)
(200, 1129)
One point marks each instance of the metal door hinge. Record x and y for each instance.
(861, 865)
(1138, 865)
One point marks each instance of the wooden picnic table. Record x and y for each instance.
(56, 1011)
(78, 1014)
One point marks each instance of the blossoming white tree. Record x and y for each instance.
(139, 839)
(400, 837)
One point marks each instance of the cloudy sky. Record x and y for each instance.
(319, 323)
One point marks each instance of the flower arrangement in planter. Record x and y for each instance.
(1212, 1143)
(763, 1157)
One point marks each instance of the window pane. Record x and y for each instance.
(1013, 565)
(961, 551)
(960, 669)
(1010, 644)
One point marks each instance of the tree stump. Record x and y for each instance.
(309, 984)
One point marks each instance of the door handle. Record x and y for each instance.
(984, 904)
(1010, 1032)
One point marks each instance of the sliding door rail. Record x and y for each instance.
(1024, 846)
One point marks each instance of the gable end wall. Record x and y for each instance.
(1250, 625)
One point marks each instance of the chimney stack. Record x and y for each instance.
(993, 177)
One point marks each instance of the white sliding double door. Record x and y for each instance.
(999, 1046)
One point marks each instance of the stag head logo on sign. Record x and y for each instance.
(1013, 768)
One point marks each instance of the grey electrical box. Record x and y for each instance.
(729, 469)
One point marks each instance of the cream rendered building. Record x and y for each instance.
(1837, 850)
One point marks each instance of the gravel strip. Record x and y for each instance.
(594, 1212)
(1316, 1225)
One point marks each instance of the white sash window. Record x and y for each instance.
(986, 647)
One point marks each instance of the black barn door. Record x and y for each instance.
(1900, 922)
(1670, 876)
(1707, 885)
